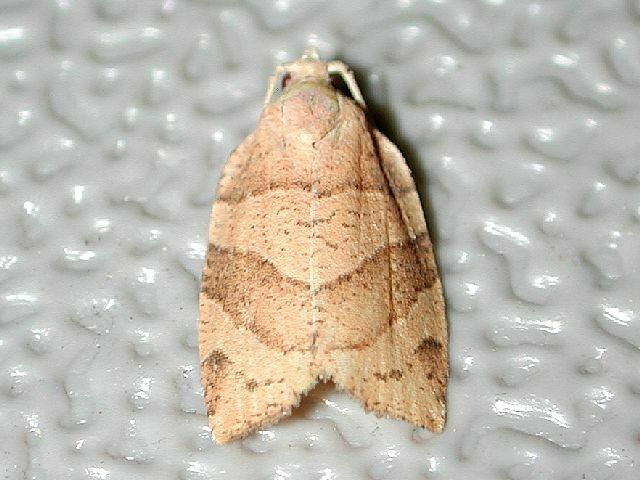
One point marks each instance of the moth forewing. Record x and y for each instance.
(319, 265)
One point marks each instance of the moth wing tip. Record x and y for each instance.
(438, 424)
(224, 433)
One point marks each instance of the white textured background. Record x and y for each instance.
(521, 120)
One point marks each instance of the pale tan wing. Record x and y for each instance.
(250, 312)
(401, 369)
(319, 266)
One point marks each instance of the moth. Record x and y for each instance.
(319, 266)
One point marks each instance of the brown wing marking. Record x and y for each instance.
(404, 373)
(247, 384)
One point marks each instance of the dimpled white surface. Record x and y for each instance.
(521, 122)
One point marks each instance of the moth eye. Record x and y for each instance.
(336, 80)
(282, 81)
(285, 80)
(339, 84)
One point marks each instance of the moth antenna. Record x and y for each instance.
(339, 68)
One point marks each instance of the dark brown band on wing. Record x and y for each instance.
(286, 315)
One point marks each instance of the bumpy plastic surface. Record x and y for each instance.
(520, 120)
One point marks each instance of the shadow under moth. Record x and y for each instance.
(319, 266)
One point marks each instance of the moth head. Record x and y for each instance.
(308, 69)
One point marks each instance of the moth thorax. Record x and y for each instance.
(310, 111)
